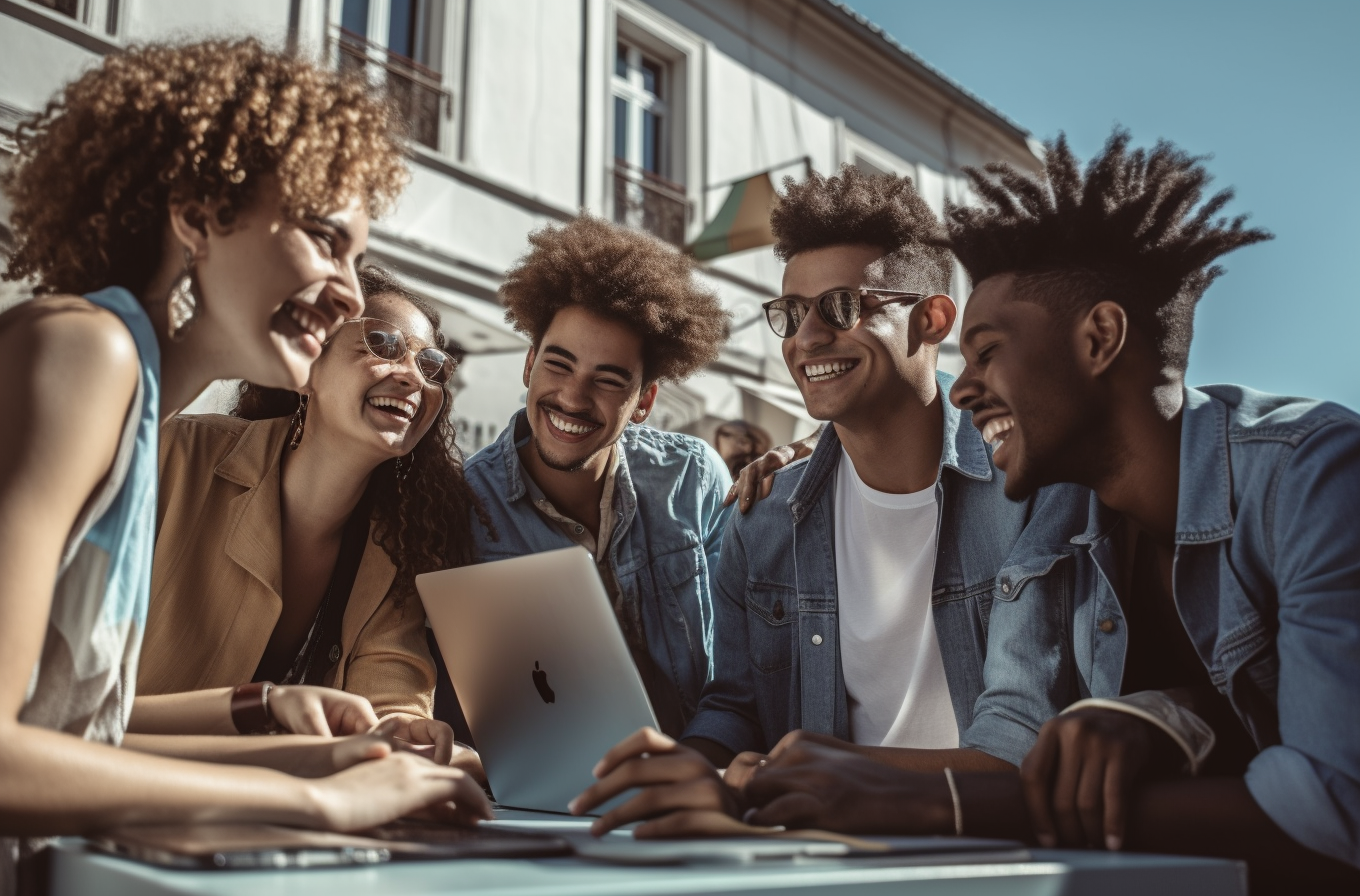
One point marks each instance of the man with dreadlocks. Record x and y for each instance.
(1222, 525)
(859, 606)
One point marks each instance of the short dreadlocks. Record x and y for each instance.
(1126, 231)
(624, 275)
(854, 208)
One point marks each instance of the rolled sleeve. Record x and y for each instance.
(997, 734)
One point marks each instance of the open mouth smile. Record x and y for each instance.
(305, 322)
(995, 432)
(397, 407)
(829, 370)
(571, 428)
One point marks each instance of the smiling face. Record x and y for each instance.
(852, 375)
(1025, 389)
(585, 385)
(380, 405)
(272, 289)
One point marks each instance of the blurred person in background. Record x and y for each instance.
(738, 443)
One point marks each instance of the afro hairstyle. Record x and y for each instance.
(1126, 230)
(854, 208)
(623, 275)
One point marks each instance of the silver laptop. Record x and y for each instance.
(541, 670)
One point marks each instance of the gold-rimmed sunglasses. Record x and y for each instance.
(386, 342)
(840, 308)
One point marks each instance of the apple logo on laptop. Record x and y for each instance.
(541, 682)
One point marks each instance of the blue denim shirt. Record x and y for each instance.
(1003, 573)
(1266, 578)
(668, 494)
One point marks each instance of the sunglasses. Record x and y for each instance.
(387, 343)
(840, 308)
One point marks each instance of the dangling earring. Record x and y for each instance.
(403, 470)
(299, 421)
(181, 304)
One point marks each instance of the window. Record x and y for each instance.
(396, 43)
(645, 195)
(95, 14)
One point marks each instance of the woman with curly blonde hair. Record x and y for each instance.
(191, 213)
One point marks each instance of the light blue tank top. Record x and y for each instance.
(85, 679)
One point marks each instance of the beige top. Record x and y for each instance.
(217, 577)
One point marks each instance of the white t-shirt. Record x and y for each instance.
(885, 568)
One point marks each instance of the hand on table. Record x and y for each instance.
(434, 740)
(307, 709)
(679, 788)
(813, 785)
(739, 770)
(1078, 776)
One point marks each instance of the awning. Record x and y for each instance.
(786, 398)
(743, 222)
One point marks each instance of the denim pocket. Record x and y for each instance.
(770, 611)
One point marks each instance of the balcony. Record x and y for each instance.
(649, 202)
(416, 90)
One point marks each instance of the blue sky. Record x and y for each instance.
(1271, 90)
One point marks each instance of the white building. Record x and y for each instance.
(527, 110)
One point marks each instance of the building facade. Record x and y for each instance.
(523, 112)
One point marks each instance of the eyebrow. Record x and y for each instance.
(333, 224)
(605, 368)
(975, 329)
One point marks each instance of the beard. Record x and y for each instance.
(553, 463)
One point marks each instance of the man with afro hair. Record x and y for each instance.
(887, 598)
(611, 313)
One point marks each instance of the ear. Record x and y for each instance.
(190, 222)
(645, 402)
(1101, 336)
(935, 318)
(529, 364)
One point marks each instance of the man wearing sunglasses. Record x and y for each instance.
(612, 312)
(886, 597)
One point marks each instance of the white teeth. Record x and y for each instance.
(568, 426)
(400, 405)
(996, 430)
(303, 319)
(819, 372)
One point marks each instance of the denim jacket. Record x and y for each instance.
(1266, 578)
(1003, 573)
(668, 494)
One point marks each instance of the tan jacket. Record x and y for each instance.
(218, 573)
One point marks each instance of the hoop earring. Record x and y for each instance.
(299, 423)
(181, 304)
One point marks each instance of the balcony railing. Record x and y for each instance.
(648, 201)
(416, 90)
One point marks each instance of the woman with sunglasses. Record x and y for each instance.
(190, 213)
(292, 532)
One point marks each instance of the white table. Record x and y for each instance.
(76, 870)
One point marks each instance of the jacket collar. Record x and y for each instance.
(255, 537)
(1204, 506)
(963, 451)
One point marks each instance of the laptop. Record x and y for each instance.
(541, 670)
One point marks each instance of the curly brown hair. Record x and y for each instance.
(426, 523)
(623, 275)
(854, 208)
(1135, 228)
(164, 123)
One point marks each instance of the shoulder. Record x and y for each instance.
(660, 448)
(1262, 416)
(480, 469)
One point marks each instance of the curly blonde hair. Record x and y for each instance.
(624, 275)
(163, 123)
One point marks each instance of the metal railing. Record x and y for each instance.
(648, 201)
(417, 90)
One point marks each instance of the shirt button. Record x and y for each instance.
(1107, 625)
(778, 610)
(816, 640)
(335, 653)
(1005, 586)
(578, 529)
